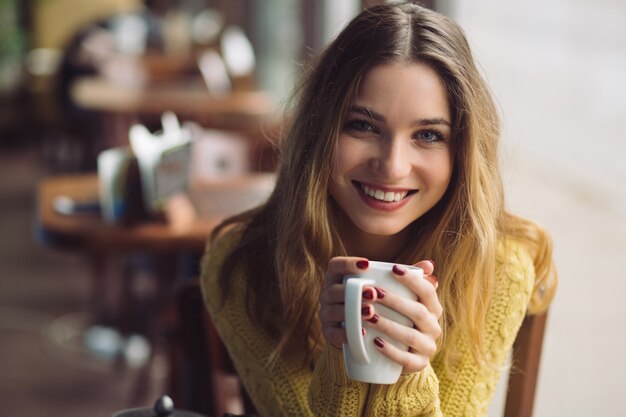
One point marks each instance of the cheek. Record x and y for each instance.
(445, 173)
(346, 158)
(441, 171)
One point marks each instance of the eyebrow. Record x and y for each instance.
(366, 111)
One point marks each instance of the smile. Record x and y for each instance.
(387, 196)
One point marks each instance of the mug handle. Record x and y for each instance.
(353, 298)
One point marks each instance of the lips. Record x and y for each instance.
(386, 195)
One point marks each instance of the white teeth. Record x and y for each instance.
(381, 195)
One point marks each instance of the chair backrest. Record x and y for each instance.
(214, 372)
(209, 383)
(524, 370)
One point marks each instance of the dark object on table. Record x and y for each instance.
(164, 407)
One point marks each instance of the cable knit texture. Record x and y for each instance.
(287, 389)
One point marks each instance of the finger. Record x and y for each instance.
(410, 361)
(428, 296)
(425, 292)
(336, 313)
(432, 279)
(334, 335)
(418, 313)
(420, 342)
(428, 266)
(367, 311)
(342, 265)
(369, 294)
(336, 294)
(332, 314)
(333, 294)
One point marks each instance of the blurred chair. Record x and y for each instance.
(524, 371)
(209, 384)
(204, 378)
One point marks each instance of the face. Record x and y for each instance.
(393, 161)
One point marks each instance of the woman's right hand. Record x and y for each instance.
(332, 312)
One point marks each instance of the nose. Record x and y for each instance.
(393, 159)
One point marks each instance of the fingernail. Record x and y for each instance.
(365, 311)
(398, 270)
(379, 342)
(363, 264)
(432, 262)
(374, 319)
(363, 331)
(380, 293)
(368, 294)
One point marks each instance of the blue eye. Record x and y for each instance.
(359, 126)
(430, 136)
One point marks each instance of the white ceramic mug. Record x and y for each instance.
(362, 359)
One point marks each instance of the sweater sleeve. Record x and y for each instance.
(415, 394)
(466, 387)
(331, 389)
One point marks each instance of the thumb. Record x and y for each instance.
(427, 266)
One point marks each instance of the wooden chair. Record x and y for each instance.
(208, 383)
(524, 371)
(211, 364)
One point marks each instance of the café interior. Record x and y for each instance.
(128, 130)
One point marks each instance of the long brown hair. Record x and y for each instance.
(287, 243)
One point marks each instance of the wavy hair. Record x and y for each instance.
(287, 243)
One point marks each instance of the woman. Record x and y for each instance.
(391, 155)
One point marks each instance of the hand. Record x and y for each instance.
(332, 311)
(424, 312)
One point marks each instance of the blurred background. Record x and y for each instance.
(76, 75)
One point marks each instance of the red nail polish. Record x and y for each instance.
(368, 294)
(362, 331)
(363, 264)
(432, 262)
(398, 270)
(374, 319)
(380, 293)
(365, 311)
(379, 342)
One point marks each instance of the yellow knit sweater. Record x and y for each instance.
(324, 390)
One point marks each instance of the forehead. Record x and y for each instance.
(413, 88)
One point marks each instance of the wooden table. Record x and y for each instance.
(186, 234)
(186, 96)
(90, 236)
(212, 201)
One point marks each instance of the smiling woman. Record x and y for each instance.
(391, 155)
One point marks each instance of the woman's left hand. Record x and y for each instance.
(424, 312)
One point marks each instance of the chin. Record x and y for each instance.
(380, 229)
